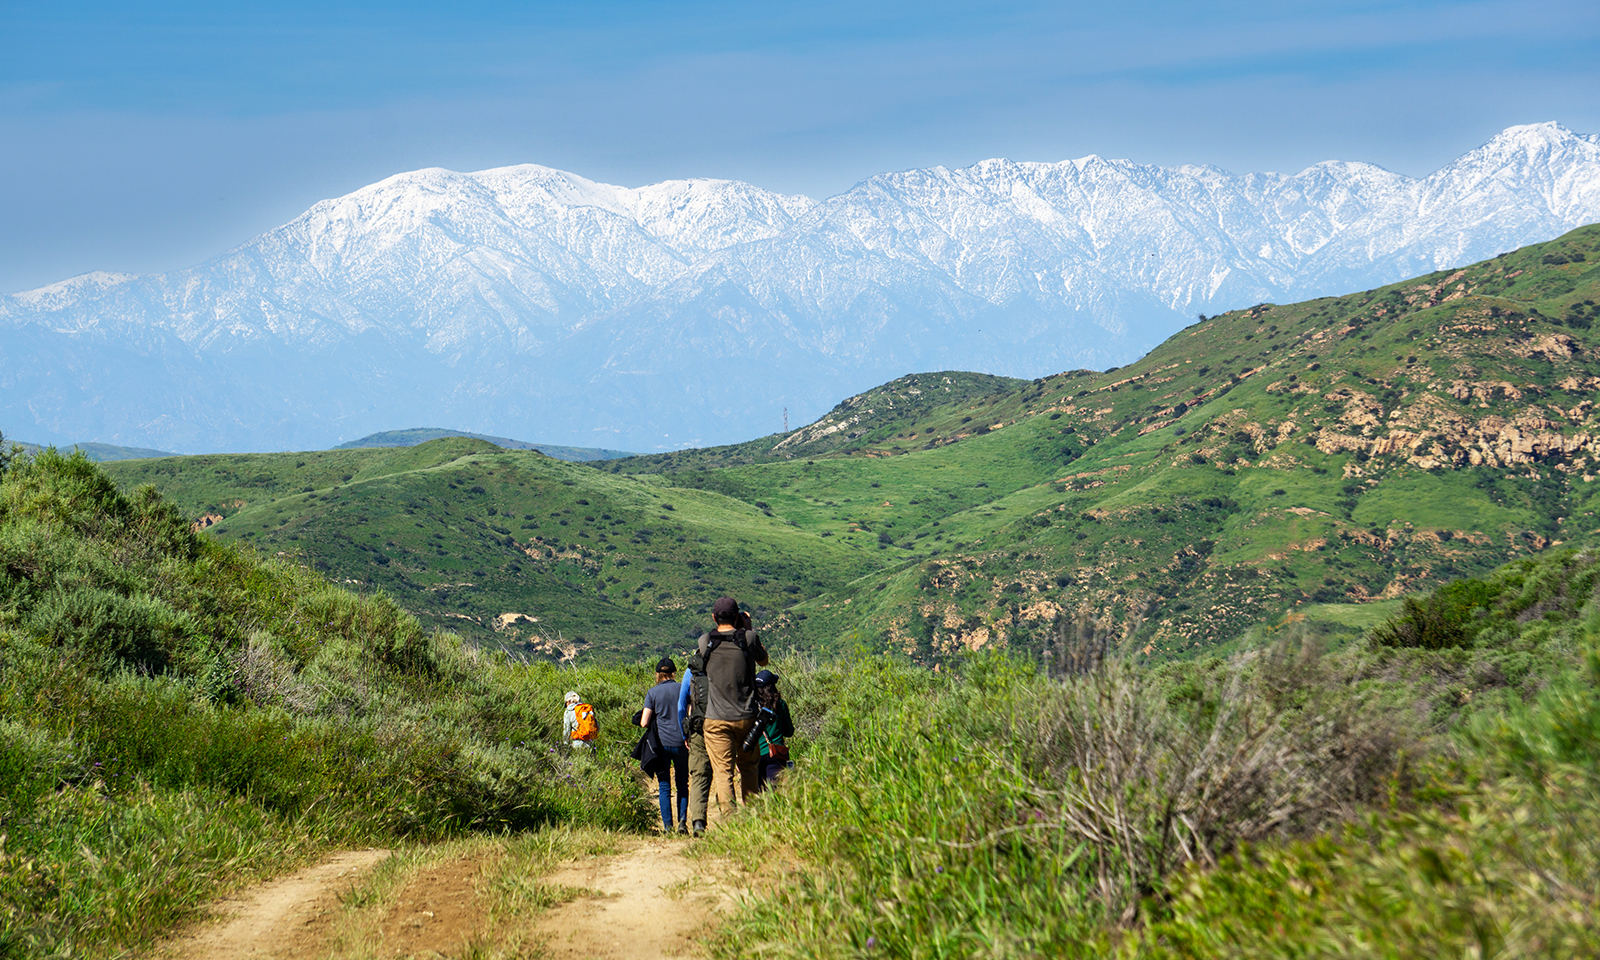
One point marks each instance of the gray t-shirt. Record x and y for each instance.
(732, 675)
(662, 700)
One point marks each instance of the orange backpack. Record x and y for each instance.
(587, 728)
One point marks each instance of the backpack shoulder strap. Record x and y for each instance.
(717, 637)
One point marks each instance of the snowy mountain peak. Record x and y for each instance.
(526, 299)
(66, 291)
(1534, 143)
(1548, 133)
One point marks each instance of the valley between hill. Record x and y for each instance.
(1295, 458)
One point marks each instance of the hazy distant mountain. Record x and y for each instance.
(528, 300)
(101, 452)
(414, 435)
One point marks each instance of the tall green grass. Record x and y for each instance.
(1508, 868)
(1395, 801)
(996, 812)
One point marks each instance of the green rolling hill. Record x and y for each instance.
(1318, 457)
(540, 555)
(861, 421)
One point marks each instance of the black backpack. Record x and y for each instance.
(699, 694)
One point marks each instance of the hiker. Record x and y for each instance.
(661, 708)
(772, 726)
(580, 727)
(692, 715)
(730, 654)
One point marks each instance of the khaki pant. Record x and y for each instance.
(699, 778)
(724, 740)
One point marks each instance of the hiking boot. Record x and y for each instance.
(699, 828)
(683, 827)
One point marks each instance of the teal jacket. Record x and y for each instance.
(776, 724)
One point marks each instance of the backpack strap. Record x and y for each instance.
(717, 636)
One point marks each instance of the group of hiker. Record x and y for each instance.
(723, 729)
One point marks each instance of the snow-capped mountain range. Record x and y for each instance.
(525, 301)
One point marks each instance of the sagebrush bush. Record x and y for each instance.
(1275, 746)
(117, 631)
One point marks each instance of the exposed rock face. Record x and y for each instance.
(506, 621)
(527, 299)
(1528, 423)
(1335, 451)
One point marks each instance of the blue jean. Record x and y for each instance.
(678, 770)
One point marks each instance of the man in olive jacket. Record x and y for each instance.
(730, 655)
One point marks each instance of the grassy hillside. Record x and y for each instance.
(537, 555)
(884, 415)
(179, 716)
(1339, 451)
(1298, 458)
(416, 435)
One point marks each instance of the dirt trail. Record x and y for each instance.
(644, 902)
(654, 903)
(278, 920)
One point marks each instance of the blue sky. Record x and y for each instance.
(150, 136)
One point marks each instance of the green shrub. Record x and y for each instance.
(116, 631)
(1431, 624)
(1378, 801)
(992, 811)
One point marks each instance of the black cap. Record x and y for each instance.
(665, 665)
(766, 678)
(725, 610)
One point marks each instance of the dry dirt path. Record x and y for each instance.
(643, 902)
(653, 904)
(279, 920)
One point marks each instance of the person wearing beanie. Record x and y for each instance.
(730, 653)
(661, 708)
